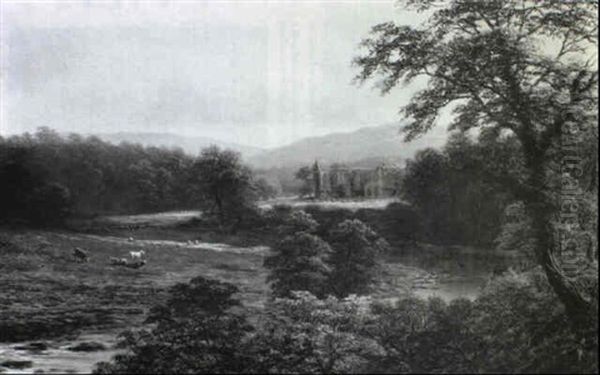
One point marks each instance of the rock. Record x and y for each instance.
(33, 346)
(16, 364)
(90, 346)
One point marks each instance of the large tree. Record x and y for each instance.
(224, 182)
(508, 67)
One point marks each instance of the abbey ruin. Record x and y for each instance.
(343, 182)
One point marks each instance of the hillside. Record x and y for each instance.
(373, 143)
(191, 145)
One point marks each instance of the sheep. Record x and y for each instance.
(80, 254)
(137, 255)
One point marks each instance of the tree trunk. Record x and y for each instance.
(540, 211)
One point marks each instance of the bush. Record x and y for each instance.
(196, 331)
(289, 221)
(354, 259)
(299, 263)
(425, 336)
(523, 328)
(304, 334)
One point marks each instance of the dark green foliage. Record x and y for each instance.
(51, 202)
(517, 325)
(304, 334)
(356, 248)
(491, 61)
(288, 221)
(195, 332)
(426, 336)
(264, 190)
(27, 194)
(89, 176)
(457, 202)
(523, 328)
(224, 184)
(305, 175)
(299, 263)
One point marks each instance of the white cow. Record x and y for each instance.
(137, 255)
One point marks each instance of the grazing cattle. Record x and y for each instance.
(80, 254)
(118, 261)
(130, 239)
(136, 264)
(137, 255)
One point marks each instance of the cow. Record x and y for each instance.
(80, 255)
(136, 264)
(118, 261)
(137, 255)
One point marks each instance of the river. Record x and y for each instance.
(57, 358)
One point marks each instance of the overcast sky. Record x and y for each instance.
(257, 73)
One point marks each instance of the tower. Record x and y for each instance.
(317, 180)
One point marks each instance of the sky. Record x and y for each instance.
(257, 73)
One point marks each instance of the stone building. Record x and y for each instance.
(343, 182)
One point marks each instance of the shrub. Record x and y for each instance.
(354, 259)
(304, 334)
(524, 328)
(195, 332)
(299, 263)
(422, 336)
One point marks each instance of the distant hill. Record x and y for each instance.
(366, 147)
(191, 145)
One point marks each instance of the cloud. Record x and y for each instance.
(260, 73)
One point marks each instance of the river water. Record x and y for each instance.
(57, 358)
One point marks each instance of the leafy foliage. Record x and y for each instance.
(287, 220)
(491, 61)
(356, 248)
(87, 176)
(305, 175)
(299, 263)
(457, 202)
(225, 182)
(304, 334)
(523, 328)
(426, 336)
(195, 332)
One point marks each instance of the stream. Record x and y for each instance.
(57, 358)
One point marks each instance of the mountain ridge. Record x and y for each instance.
(368, 143)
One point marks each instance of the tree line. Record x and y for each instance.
(46, 177)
